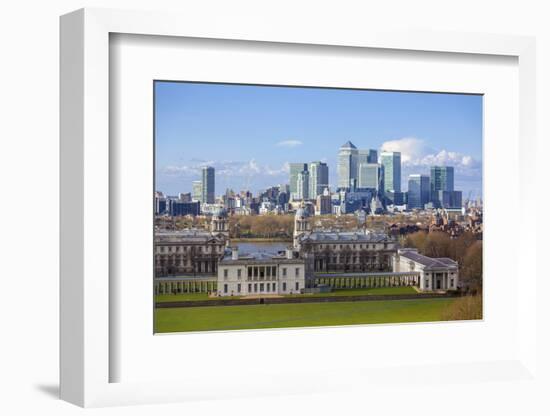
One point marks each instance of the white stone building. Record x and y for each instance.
(435, 273)
(260, 274)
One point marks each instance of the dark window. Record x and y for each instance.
(261, 287)
(239, 273)
(297, 286)
(239, 288)
(225, 288)
(284, 286)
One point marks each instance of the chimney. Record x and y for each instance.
(235, 253)
(289, 253)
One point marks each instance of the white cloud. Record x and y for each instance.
(249, 168)
(289, 143)
(415, 152)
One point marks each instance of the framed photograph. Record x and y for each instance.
(292, 213)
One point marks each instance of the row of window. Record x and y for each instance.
(262, 272)
(354, 246)
(177, 249)
(261, 287)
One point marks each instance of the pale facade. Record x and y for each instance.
(260, 274)
(348, 252)
(435, 273)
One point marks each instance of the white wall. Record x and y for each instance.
(29, 168)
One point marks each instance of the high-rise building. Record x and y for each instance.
(295, 169)
(302, 191)
(318, 178)
(370, 176)
(323, 204)
(391, 161)
(208, 185)
(441, 179)
(347, 165)
(197, 191)
(418, 193)
(367, 156)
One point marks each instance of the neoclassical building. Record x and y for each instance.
(260, 274)
(191, 252)
(435, 273)
(348, 252)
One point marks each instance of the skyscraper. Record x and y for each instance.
(197, 191)
(302, 185)
(367, 156)
(208, 185)
(295, 169)
(392, 170)
(370, 175)
(419, 191)
(318, 178)
(442, 180)
(347, 165)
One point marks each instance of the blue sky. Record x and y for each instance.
(251, 133)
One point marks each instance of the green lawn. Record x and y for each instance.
(298, 315)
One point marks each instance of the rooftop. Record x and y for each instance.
(430, 262)
(348, 145)
(336, 236)
(258, 257)
(193, 234)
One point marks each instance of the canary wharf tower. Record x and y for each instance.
(347, 165)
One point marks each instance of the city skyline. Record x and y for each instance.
(236, 141)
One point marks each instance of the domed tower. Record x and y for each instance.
(218, 224)
(301, 225)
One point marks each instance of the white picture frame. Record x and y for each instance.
(87, 302)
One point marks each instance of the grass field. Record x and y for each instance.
(298, 315)
(398, 290)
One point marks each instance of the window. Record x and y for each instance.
(255, 287)
(225, 273)
(274, 271)
(297, 271)
(250, 287)
(225, 288)
(262, 272)
(452, 282)
(267, 287)
(297, 286)
(239, 273)
(268, 271)
(427, 283)
(261, 287)
(273, 287)
(239, 288)
(255, 272)
(284, 286)
(284, 271)
(250, 272)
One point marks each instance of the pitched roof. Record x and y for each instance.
(348, 145)
(430, 262)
